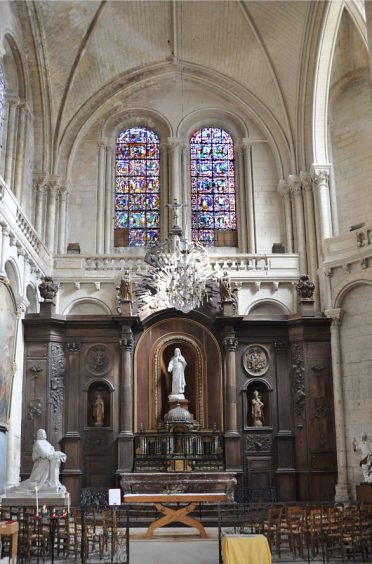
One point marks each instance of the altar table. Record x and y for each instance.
(10, 529)
(250, 549)
(171, 513)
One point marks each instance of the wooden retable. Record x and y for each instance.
(10, 529)
(171, 513)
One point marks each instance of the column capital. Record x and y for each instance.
(295, 184)
(320, 174)
(176, 143)
(230, 344)
(73, 347)
(12, 99)
(336, 314)
(306, 180)
(283, 188)
(127, 344)
(53, 184)
(40, 180)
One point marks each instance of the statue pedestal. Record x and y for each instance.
(48, 496)
(364, 492)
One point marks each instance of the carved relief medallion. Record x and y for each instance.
(255, 360)
(258, 442)
(98, 361)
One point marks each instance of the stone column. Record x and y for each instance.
(20, 153)
(4, 231)
(241, 200)
(175, 154)
(63, 193)
(10, 141)
(125, 438)
(164, 192)
(40, 192)
(283, 189)
(321, 181)
(296, 191)
(251, 229)
(100, 197)
(342, 487)
(109, 224)
(51, 213)
(312, 254)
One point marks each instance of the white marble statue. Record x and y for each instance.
(365, 449)
(177, 365)
(45, 471)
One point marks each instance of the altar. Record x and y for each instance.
(179, 482)
(164, 503)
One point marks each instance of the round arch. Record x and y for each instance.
(268, 306)
(98, 107)
(87, 306)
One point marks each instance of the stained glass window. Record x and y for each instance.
(2, 102)
(137, 187)
(212, 185)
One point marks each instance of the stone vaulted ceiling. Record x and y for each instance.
(87, 45)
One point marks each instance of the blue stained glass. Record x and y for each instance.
(223, 202)
(122, 184)
(204, 168)
(212, 184)
(152, 202)
(220, 151)
(137, 219)
(137, 168)
(205, 203)
(121, 219)
(152, 236)
(121, 202)
(137, 237)
(137, 186)
(152, 219)
(153, 185)
(122, 151)
(152, 168)
(137, 151)
(221, 167)
(137, 202)
(122, 168)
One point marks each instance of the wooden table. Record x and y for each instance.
(10, 529)
(171, 513)
(250, 549)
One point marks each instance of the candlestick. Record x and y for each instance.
(37, 499)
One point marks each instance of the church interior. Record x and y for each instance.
(210, 317)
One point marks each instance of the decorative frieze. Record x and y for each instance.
(57, 372)
(258, 442)
(298, 382)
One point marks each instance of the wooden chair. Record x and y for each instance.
(333, 534)
(273, 528)
(296, 522)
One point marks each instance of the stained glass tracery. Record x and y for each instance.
(213, 200)
(137, 186)
(2, 102)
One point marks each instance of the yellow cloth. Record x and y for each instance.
(246, 550)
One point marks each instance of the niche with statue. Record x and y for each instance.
(257, 409)
(99, 405)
